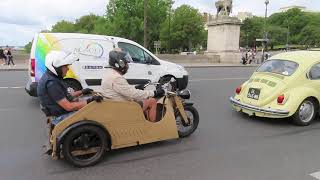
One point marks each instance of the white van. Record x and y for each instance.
(94, 54)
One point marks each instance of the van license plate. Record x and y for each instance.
(254, 93)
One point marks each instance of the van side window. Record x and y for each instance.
(135, 52)
(314, 73)
(150, 59)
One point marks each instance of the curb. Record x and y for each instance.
(217, 66)
(184, 65)
(13, 69)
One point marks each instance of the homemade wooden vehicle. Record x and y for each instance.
(84, 138)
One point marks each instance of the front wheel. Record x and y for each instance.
(193, 116)
(305, 113)
(85, 146)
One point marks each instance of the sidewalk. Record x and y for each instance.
(17, 67)
(24, 66)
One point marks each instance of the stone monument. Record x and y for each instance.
(224, 34)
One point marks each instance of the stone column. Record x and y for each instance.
(224, 39)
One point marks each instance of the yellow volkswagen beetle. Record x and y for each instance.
(287, 85)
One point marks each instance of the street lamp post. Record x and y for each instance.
(265, 31)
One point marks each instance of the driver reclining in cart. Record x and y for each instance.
(116, 87)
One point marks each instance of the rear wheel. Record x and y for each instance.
(85, 146)
(305, 113)
(193, 116)
(72, 85)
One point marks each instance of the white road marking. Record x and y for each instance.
(316, 175)
(220, 79)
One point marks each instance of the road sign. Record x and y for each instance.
(157, 45)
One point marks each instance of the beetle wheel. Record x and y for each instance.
(305, 113)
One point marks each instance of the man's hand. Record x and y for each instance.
(95, 98)
(86, 91)
(159, 92)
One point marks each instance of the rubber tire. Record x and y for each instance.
(75, 85)
(195, 121)
(296, 119)
(71, 135)
(166, 79)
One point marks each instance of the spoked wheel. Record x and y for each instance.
(305, 113)
(193, 115)
(172, 86)
(85, 146)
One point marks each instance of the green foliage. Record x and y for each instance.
(301, 28)
(27, 47)
(63, 27)
(86, 24)
(125, 18)
(186, 29)
(251, 30)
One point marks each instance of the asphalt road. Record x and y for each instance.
(226, 146)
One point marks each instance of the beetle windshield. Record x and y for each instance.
(283, 67)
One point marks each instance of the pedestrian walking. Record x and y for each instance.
(3, 57)
(250, 56)
(9, 57)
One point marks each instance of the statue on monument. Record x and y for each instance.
(224, 8)
(224, 34)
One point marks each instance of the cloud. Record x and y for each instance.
(21, 19)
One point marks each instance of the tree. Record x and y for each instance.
(310, 35)
(27, 47)
(63, 27)
(187, 29)
(293, 26)
(86, 24)
(277, 35)
(125, 18)
(251, 30)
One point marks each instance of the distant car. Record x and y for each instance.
(287, 85)
(94, 55)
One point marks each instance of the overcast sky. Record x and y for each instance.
(21, 19)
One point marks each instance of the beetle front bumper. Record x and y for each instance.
(267, 111)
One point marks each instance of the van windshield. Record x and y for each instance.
(283, 67)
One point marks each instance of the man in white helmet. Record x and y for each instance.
(52, 92)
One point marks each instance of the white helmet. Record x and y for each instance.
(56, 59)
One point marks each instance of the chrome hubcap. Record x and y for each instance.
(306, 111)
